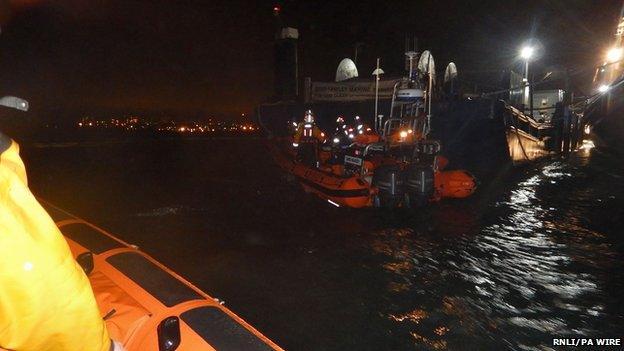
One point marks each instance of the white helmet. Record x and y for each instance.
(309, 117)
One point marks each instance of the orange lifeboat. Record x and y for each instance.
(382, 182)
(327, 182)
(145, 305)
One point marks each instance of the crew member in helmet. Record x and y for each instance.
(308, 131)
(307, 140)
(340, 124)
(341, 134)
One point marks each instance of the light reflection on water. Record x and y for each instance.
(515, 283)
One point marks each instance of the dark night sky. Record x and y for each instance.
(197, 58)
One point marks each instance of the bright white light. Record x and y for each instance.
(603, 88)
(527, 52)
(28, 266)
(351, 136)
(587, 129)
(336, 140)
(587, 145)
(614, 54)
(409, 131)
(403, 134)
(295, 145)
(333, 203)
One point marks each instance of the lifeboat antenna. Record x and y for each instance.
(411, 55)
(377, 72)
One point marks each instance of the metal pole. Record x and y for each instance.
(376, 95)
(531, 100)
(430, 94)
(526, 84)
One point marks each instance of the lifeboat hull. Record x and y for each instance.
(350, 192)
(143, 301)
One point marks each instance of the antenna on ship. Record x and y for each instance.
(411, 55)
(426, 65)
(377, 72)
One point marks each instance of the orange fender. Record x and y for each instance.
(455, 184)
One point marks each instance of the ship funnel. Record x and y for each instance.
(286, 65)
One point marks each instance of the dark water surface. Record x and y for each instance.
(536, 254)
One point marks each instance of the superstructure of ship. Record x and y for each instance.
(478, 131)
(393, 163)
(604, 109)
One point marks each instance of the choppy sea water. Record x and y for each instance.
(536, 254)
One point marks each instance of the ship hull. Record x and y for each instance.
(605, 116)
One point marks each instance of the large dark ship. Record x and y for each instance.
(478, 131)
(604, 111)
(480, 134)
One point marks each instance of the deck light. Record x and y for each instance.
(603, 88)
(615, 54)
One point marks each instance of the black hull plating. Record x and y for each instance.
(606, 118)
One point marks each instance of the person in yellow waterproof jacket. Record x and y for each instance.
(46, 301)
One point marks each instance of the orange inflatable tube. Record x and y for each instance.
(145, 305)
(454, 184)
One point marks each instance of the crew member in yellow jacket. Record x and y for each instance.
(46, 301)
